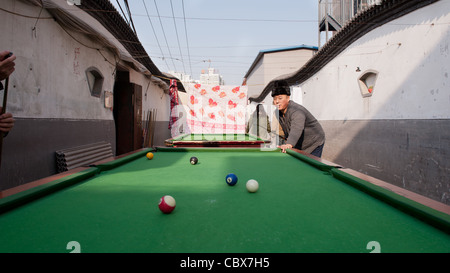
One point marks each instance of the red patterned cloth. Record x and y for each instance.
(216, 109)
(173, 102)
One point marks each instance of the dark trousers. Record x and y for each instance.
(318, 151)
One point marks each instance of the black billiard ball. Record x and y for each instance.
(193, 160)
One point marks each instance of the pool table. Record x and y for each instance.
(303, 204)
(216, 140)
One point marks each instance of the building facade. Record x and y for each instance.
(379, 88)
(76, 83)
(272, 63)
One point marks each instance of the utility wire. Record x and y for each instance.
(244, 19)
(129, 15)
(187, 40)
(178, 40)
(123, 13)
(156, 37)
(164, 33)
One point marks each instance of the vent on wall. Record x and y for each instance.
(367, 83)
(95, 81)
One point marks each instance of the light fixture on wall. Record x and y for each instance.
(109, 100)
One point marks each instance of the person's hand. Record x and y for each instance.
(284, 147)
(7, 65)
(6, 122)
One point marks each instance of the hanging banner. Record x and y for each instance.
(174, 101)
(215, 109)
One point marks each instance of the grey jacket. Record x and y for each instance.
(301, 128)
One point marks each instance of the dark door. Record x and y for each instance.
(127, 116)
(137, 124)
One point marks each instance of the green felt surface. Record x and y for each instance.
(298, 208)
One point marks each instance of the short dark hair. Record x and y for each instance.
(281, 87)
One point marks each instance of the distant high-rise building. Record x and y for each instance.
(212, 77)
(181, 76)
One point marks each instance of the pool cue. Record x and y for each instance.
(5, 97)
(153, 127)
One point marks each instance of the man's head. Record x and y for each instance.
(281, 94)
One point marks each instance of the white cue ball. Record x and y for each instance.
(252, 185)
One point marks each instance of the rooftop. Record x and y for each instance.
(273, 50)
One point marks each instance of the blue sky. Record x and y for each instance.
(226, 35)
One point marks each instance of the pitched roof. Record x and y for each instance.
(106, 14)
(262, 52)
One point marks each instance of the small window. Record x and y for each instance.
(95, 81)
(367, 83)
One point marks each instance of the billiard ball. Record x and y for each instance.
(252, 185)
(231, 179)
(193, 160)
(149, 155)
(167, 204)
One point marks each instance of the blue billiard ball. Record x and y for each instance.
(231, 179)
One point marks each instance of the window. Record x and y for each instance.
(95, 81)
(367, 83)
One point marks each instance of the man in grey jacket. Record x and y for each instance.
(301, 129)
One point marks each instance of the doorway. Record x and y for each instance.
(127, 113)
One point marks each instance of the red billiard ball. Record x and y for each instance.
(167, 204)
